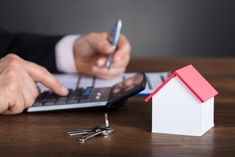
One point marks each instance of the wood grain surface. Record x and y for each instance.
(44, 134)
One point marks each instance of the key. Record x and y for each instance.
(87, 130)
(90, 135)
(82, 131)
(101, 130)
(87, 133)
(106, 120)
(107, 131)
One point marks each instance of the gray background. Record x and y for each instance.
(154, 27)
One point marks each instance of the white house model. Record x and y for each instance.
(183, 104)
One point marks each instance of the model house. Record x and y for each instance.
(183, 104)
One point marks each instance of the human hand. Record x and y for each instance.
(17, 84)
(91, 52)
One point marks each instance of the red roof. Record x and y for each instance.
(194, 81)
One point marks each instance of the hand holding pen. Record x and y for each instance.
(93, 51)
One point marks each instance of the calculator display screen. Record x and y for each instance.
(127, 85)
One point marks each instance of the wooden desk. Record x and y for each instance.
(44, 134)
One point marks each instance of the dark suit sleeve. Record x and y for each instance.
(32, 47)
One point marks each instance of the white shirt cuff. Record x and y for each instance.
(64, 54)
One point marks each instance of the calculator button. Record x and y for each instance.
(97, 97)
(48, 103)
(61, 100)
(72, 101)
(36, 103)
(83, 100)
(87, 91)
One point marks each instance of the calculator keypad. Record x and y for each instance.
(79, 95)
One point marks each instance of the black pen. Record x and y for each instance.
(115, 34)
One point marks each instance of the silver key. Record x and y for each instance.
(106, 120)
(84, 132)
(80, 132)
(107, 131)
(102, 130)
(87, 133)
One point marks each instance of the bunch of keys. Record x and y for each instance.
(88, 133)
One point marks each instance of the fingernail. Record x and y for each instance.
(64, 90)
(101, 62)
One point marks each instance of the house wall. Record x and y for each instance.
(207, 110)
(175, 110)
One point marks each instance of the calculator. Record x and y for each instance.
(91, 97)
